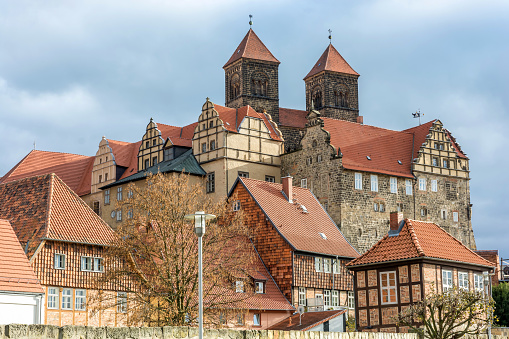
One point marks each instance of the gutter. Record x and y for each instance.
(417, 258)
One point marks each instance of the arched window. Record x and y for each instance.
(259, 84)
(235, 86)
(337, 101)
(317, 98)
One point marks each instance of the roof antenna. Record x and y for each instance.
(330, 36)
(418, 114)
(34, 145)
(250, 21)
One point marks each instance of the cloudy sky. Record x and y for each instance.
(73, 71)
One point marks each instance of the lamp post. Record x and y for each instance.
(199, 228)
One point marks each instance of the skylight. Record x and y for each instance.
(323, 236)
(304, 209)
(368, 157)
(399, 162)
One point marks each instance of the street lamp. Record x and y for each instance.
(199, 228)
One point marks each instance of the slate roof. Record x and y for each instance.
(16, 274)
(251, 47)
(419, 239)
(331, 61)
(301, 230)
(44, 207)
(307, 321)
(75, 170)
(185, 162)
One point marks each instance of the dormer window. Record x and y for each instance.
(239, 286)
(259, 287)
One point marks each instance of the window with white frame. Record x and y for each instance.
(304, 183)
(53, 297)
(434, 185)
(130, 194)
(203, 147)
(388, 287)
(302, 296)
(59, 261)
(129, 213)
(358, 181)
(336, 266)
(92, 264)
(211, 182)
(67, 299)
(259, 287)
(408, 186)
(256, 319)
(98, 264)
(443, 214)
(119, 193)
(463, 280)
(80, 299)
(326, 265)
(446, 280)
(236, 205)
(394, 184)
(478, 282)
(270, 178)
(318, 264)
(422, 184)
(122, 302)
(119, 215)
(335, 298)
(351, 299)
(239, 286)
(326, 299)
(455, 217)
(374, 183)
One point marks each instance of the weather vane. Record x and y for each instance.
(330, 35)
(418, 114)
(250, 21)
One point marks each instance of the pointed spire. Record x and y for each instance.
(332, 61)
(251, 47)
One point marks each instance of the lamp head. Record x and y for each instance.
(199, 221)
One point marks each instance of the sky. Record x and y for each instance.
(74, 71)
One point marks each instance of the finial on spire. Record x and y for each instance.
(250, 20)
(330, 36)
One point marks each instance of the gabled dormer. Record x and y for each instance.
(150, 152)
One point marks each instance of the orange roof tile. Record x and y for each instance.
(75, 170)
(45, 207)
(419, 239)
(179, 136)
(301, 230)
(331, 61)
(307, 321)
(251, 47)
(121, 151)
(292, 117)
(16, 274)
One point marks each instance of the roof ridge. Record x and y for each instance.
(415, 239)
(359, 124)
(6, 175)
(81, 155)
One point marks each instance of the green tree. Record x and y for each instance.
(501, 297)
(449, 315)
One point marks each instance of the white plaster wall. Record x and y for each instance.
(20, 308)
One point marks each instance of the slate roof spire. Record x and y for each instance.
(251, 47)
(331, 61)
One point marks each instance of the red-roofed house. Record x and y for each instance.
(414, 257)
(298, 242)
(21, 293)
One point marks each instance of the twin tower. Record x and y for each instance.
(251, 78)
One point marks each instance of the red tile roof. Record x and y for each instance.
(307, 321)
(251, 47)
(75, 170)
(301, 230)
(233, 117)
(331, 61)
(45, 207)
(122, 152)
(16, 274)
(292, 118)
(179, 136)
(419, 239)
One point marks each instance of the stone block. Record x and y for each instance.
(193, 333)
(17, 331)
(96, 332)
(180, 332)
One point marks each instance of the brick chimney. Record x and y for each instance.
(395, 220)
(360, 120)
(287, 187)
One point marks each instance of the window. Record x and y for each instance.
(211, 124)
(408, 186)
(455, 216)
(86, 263)
(256, 319)
(375, 207)
(463, 280)
(92, 264)
(129, 194)
(309, 161)
(326, 299)
(434, 186)
(319, 158)
(147, 163)
(105, 176)
(394, 185)
(326, 206)
(100, 178)
(222, 318)
(98, 265)
(154, 161)
(399, 206)
(351, 299)
(381, 207)
(388, 287)
(374, 183)
(236, 205)
(240, 319)
(445, 163)
(96, 206)
(422, 184)
(358, 181)
(434, 162)
(67, 299)
(119, 193)
(59, 261)
(302, 296)
(239, 286)
(304, 183)
(446, 280)
(80, 298)
(119, 215)
(212, 145)
(478, 282)
(336, 266)
(53, 297)
(243, 174)
(443, 214)
(129, 214)
(318, 264)
(326, 265)
(203, 147)
(424, 211)
(270, 178)
(107, 197)
(335, 298)
(259, 287)
(122, 302)
(168, 153)
(211, 182)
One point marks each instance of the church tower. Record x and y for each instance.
(251, 77)
(331, 87)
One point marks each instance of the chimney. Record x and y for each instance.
(396, 218)
(287, 187)
(360, 119)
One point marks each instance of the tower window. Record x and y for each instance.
(235, 86)
(317, 98)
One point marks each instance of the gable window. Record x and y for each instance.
(445, 162)
(147, 144)
(119, 193)
(374, 183)
(304, 183)
(463, 280)
(147, 163)
(394, 185)
(239, 286)
(211, 124)
(154, 161)
(302, 296)
(358, 181)
(212, 145)
(351, 299)
(446, 280)
(335, 298)
(53, 297)
(388, 287)
(318, 264)
(203, 147)
(336, 265)
(259, 287)
(243, 174)
(236, 205)
(422, 184)
(154, 142)
(256, 319)
(107, 197)
(270, 178)
(455, 216)
(434, 186)
(66, 299)
(326, 265)
(326, 299)
(80, 298)
(59, 261)
(122, 302)
(408, 186)
(434, 162)
(478, 282)
(211, 182)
